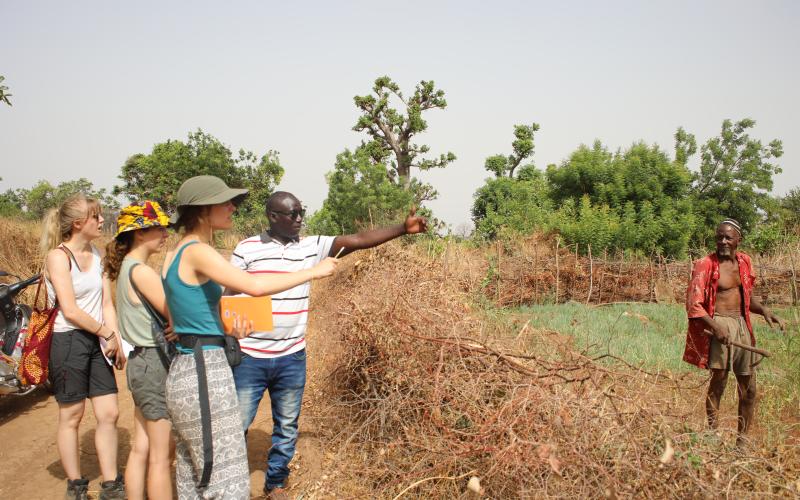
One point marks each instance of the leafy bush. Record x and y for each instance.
(520, 205)
(361, 193)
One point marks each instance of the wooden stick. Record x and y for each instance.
(414, 485)
(558, 243)
(793, 286)
(746, 347)
(339, 253)
(591, 273)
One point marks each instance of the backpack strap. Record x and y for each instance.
(155, 316)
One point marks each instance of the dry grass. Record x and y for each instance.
(19, 246)
(19, 251)
(432, 391)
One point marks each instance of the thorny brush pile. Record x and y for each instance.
(433, 393)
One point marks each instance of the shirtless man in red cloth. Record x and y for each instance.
(719, 301)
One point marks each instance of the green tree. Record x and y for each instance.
(10, 204)
(790, 210)
(520, 205)
(588, 225)
(361, 193)
(640, 173)
(639, 192)
(765, 238)
(585, 172)
(43, 196)
(504, 166)
(4, 95)
(734, 178)
(159, 174)
(261, 179)
(394, 130)
(507, 203)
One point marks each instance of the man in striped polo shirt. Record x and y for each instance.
(275, 361)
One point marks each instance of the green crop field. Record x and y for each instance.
(652, 336)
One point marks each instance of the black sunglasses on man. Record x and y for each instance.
(293, 214)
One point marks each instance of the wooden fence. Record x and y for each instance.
(542, 270)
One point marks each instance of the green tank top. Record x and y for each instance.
(134, 322)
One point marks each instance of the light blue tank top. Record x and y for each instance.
(194, 308)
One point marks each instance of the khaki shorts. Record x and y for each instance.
(147, 382)
(736, 359)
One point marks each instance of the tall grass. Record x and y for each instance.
(19, 246)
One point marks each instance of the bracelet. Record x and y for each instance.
(98, 329)
(110, 337)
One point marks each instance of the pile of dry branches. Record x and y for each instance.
(433, 393)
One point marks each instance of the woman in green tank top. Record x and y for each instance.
(141, 232)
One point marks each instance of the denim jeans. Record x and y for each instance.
(284, 378)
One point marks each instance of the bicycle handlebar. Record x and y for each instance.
(15, 288)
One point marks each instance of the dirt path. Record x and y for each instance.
(31, 468)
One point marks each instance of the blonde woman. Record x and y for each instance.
(74, 278)
(201, 397)
(141, 232)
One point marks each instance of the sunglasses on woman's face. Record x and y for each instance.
(293, 214)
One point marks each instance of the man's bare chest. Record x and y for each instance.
(729, 277)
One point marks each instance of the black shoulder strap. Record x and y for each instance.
(155, 315)
(205, 415)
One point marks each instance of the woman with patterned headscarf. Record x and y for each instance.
(141, 309)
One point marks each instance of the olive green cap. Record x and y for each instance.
(204, 190)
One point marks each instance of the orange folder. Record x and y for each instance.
(255, 309)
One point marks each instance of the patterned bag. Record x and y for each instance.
(36, 351)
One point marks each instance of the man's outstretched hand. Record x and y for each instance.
(773, 320)
(414, 224)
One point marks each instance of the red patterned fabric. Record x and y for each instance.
(36, 350)
(701, 298)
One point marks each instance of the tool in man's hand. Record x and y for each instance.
(746, 347)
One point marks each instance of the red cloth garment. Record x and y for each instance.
(701, 298)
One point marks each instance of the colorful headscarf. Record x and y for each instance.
(141, 216)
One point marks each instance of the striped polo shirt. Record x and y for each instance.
(263, 255)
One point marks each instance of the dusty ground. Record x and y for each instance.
(31, 468)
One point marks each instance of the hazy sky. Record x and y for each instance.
(95, 82)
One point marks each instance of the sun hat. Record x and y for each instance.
(204, 190)
(141, 215)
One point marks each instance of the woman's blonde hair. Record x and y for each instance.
(59, 222)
